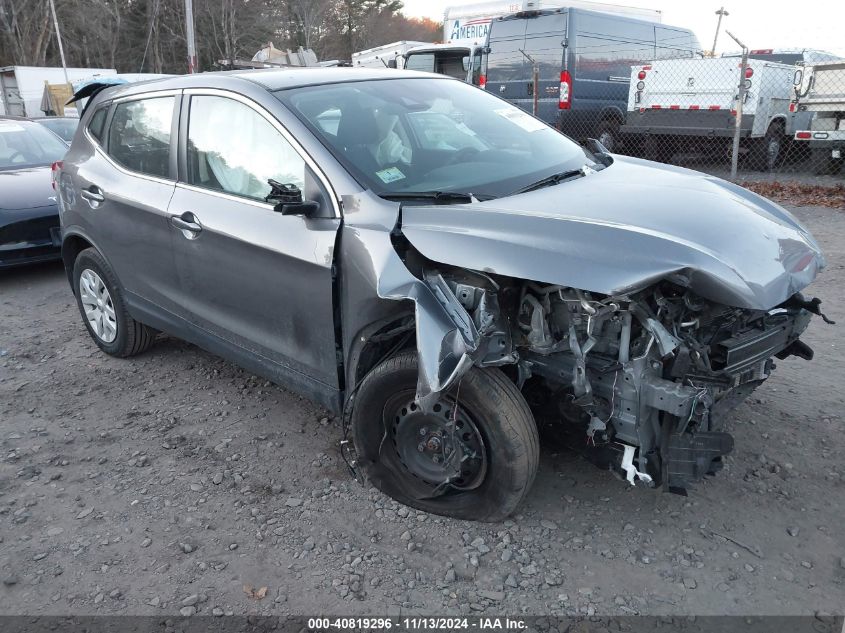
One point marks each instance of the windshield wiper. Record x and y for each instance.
(551, 180)
(436, 196)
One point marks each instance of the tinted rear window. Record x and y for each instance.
(98, 123)
(607, 45)
(675, 43)
(139, 135)
(504, 62)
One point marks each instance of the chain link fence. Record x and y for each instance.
(752, 115)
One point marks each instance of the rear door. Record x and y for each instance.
(506, 73)
(257, 283)
(123, 178)
(544, 39)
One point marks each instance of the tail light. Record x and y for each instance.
(803, 135)
(792, 106)
(482, 82)
(54, 172)
(565, 91)
(641, 75)
(749, 72)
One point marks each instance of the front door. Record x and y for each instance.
(255, 282)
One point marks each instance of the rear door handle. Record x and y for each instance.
(94, 196)
(187, 223)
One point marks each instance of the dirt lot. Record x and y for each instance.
(176, 481)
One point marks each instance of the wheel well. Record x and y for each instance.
(613, 116)
(778, 122)
(72, 246)
(379, 341)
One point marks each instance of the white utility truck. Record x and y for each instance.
(385, 56)
(687, 99)
(820, 91)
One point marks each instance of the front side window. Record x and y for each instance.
(414, 135)
(139, 135)
(234, 149)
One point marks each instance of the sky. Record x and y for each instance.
(757, 23)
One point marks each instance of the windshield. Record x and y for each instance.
(417, 135)
(27, 144)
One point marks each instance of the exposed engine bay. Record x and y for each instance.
(641, 382)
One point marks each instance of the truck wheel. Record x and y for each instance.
(474, 456)
(766, 152)
(823, 163)
(659, 148)
(608, 135)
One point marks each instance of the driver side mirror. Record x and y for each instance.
(391, 63)
(287, 199)
(305, 208)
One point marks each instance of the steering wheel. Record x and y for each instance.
(463, 154)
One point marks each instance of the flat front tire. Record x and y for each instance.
(100, 302)
(474, 456)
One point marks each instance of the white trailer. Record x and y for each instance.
(674, 99)
(386, 56)
(820, 92)
(22, 87)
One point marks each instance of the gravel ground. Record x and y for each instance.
(176, 482)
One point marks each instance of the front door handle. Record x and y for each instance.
(93, 195)
(187, 223)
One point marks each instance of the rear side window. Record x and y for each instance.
(98, 123)
(675, 43)
(139, 135)
(608, 46)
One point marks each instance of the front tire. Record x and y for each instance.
(100, 302)
(474, 456)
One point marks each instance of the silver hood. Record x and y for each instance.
(625, 227)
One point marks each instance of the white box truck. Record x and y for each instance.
(820, 92)
(22, 87)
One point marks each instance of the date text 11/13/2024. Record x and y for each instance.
(417, 624)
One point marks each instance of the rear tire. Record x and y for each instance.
(659, 148)
(492, 429)
(608, 135)
(100, 301)
(766, 152)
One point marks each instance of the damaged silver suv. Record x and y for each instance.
(446, 271)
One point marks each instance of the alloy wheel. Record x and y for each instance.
(97, 305)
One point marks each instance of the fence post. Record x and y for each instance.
(740, 99)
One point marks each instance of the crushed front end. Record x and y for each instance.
(641, 383)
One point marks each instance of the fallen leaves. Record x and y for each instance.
(800, 194)
(255, 594)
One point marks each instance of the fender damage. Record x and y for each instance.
(640, 334)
